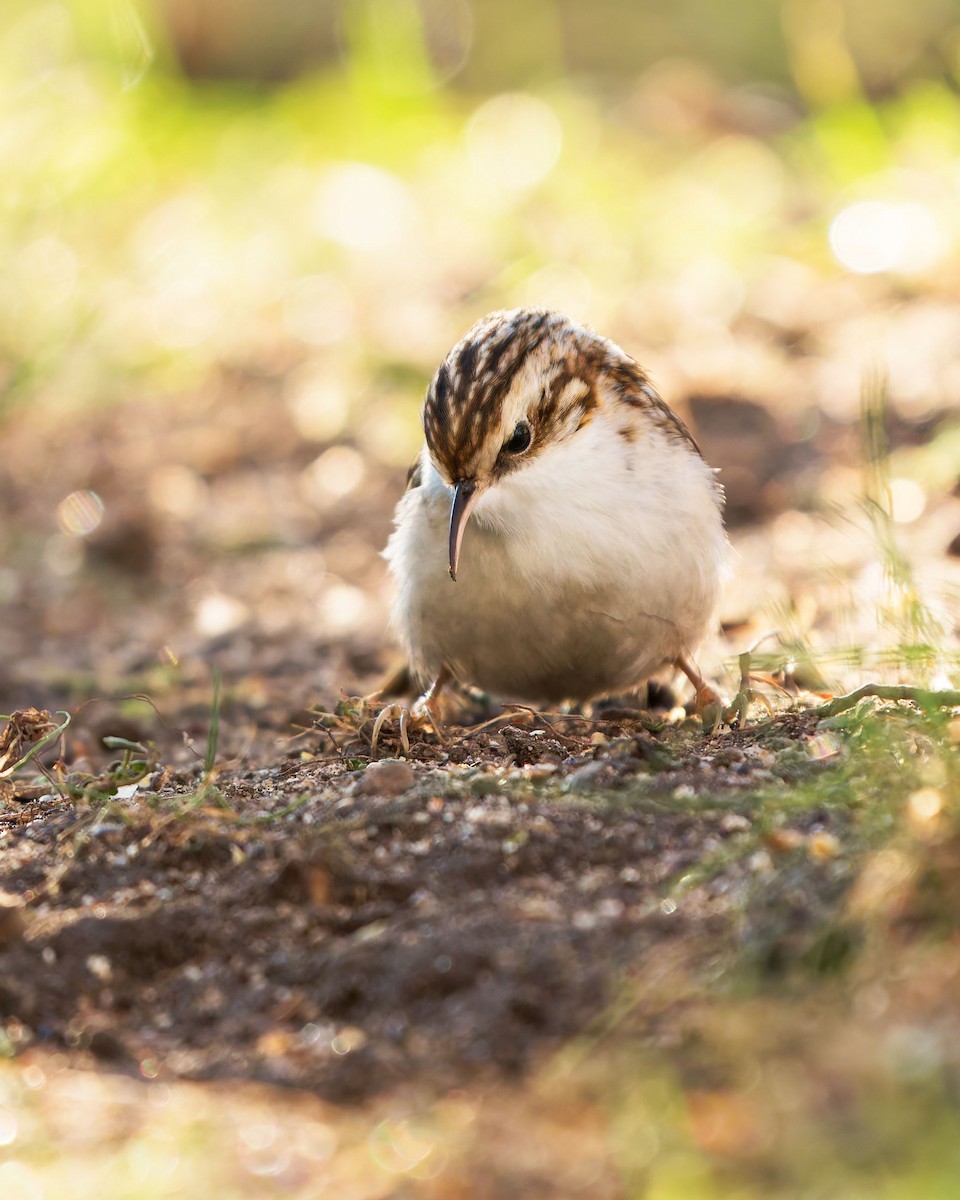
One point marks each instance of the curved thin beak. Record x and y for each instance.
(465, 497)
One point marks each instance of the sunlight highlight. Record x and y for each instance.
(80, 513)
(908, 501)
(871, 236)
(364, 208)
(217, 614)
(398, 1147)
(513, 143)
(319, 310)
(18, 1180)
(176, 489)
(924, 808)
(318, 403)
(8, 1127)
(335, 474)
(343, 610)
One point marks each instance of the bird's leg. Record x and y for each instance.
(739, 706)
(429, 702)
(708, 703)
(425, 711)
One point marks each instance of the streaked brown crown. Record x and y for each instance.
(464, 405)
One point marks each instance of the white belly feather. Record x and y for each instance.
(580, 574)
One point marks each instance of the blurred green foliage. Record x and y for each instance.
(362, 213)
(328, 194)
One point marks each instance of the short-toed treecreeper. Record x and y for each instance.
(561, 537)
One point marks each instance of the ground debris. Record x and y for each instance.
(386, 777)
(26, 732)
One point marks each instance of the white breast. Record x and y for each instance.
(581, 573)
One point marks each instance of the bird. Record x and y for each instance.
(561, 537)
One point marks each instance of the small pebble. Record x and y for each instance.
(823, 846)
(388, 777)
(584, 779)
(782, 841)
(486, 785)
(760, 863)
(12, 924)
(100, 965)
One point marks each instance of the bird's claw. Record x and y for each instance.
(709, 705)
(420, 713)
(401, 714)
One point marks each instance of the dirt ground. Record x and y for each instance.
(423, 922)
(274, 906)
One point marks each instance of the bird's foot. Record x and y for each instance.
(424, 712)
(708, 704)
(739, 707)
(390, 712)
(417, 715)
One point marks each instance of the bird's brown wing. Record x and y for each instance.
(635, 388)
(415, 476)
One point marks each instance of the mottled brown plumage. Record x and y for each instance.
(466, 396)
(587, 524)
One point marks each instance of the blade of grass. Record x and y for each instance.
(213, 737)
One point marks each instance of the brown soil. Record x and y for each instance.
(298, 916)
(427, 923)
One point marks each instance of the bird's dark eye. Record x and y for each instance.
(519, 440)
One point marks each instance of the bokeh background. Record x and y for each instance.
(238, 237)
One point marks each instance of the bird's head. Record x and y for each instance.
(517, 384)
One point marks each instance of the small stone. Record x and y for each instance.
(486, 785)
(584, 779)
(539, 908)
(12, 924)
(541, 770)
(100, 965)
(729, 756)
(624, 747)
(387, 777)
(783, 841)
(760, 754)
(823, 846)
(760, 863)
(734, 823)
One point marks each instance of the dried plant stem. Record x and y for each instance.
(921, 697)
